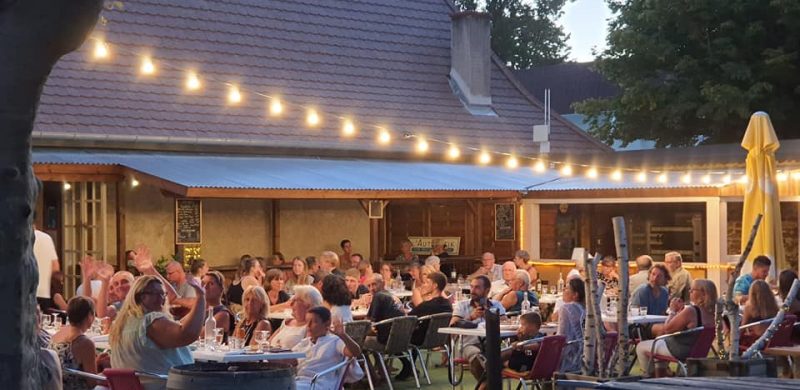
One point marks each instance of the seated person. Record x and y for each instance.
(607, 273)
(519, 288)
(336, 297)
(74, 349)
(411, 277)
(433, 287)
(383, 307)
(785, 280)
(761, 305)
(760, 271)
(351, 278)
(214, 285)
(293, 330)
(323, 350)
(256, 308)
(521, 357)
(654, 294)
(502, 286)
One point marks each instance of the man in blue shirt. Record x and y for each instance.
(653, 295)
(760, 271)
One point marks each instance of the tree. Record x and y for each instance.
(34, 34)
(525, 35)
(694, 70)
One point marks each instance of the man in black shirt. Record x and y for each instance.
(383, 306)
(433, 286)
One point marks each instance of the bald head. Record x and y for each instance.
(644, 263)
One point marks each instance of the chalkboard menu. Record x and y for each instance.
(188, 221)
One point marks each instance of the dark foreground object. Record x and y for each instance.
(711, 383)
(716, 367)
(231, 376)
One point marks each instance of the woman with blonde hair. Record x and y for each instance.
(299, 275)
(144, 337)
(256, 308)
(703, 296)
(760, 305)
(293, 330)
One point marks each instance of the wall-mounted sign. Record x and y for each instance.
(188, 221)
(424, 245)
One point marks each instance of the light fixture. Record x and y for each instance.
(641, 177)
(147, 67)
(348, 128)
(67, 186)
(134, 182)
(192, 81)
(512, 162)
(275, 107)
(539, 167)
(686, 178)
(484, 158)
(566, 170)
(706, 179)
(591, 173)
(782, 176)
(743, 179)
(384, 137)
(662, 178)
(616, 175)
(726, 179)
(100, 49)
(422, 145)
(796, 175)
(234, 96)
(453, 152)
(312, 118)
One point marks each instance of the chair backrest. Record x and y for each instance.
(122, 379)
(343, 376)
(357, 330)
(783, 336)
(548, 359)
(610, 341)
(703, 343)
(400, 334)
(433, 338)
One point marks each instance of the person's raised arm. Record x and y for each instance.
(351, 348)
(104, 273)
(680, 318)
(87, 269)
(171, 334)
(143, 262)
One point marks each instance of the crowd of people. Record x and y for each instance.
(152, 319)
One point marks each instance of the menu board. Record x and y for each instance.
(188, 221)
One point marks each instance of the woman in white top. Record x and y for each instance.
(337, 298)
(144, 337)
(294, 329)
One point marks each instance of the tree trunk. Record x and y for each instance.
(590, 324)
(718, 318)
(34, 34)
(621, 242)
(776, 322)
(731, 308)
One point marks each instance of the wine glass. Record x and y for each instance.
(261, 338)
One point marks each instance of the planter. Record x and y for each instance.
(716, 367)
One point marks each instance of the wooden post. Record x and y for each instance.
(621, 243)
(776, 322)
(731, 307)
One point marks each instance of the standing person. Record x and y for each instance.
(703, 295)
(74, 349)
(642, 275)
(570, 324)
(256, 308)
(251, 275)
(520, 286)
(488, 268)
(680, 279)
(522, 260)
(177, 276)
(653, 295)
(47, 260)
(293, 330)
(145, 338)
(329, 261)
(760, 271)
(406, 256)
(214, 285)
(336, 297)
(383, 307)
(347, 251)
(299, 275)
(198, 268)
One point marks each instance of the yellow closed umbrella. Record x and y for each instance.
(761, 191)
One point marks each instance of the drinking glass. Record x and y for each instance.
(643, 311)
(261, 337)
(235, 343)
(218, 336)
(634, 311)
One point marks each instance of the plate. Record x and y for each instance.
(251, 352)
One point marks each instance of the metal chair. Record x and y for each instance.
(357, 330)
(433, 339)
(397, 345)
(699, 350)
(342, 368)
(547, 362)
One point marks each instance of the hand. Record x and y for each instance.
(676, 305)
(104, 271)
(88, 267)
(476, 313)
(193, 283)
(337, 327)
(142, 259)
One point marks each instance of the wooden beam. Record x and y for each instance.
(155, 181)
(364, 205)
(248, 193)
(122, 263)
(275, 226)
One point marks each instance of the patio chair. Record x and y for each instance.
(781, 338)
(339, 369)
(397, 345)
(700, 349)
(610, 339)
(357, 330)
(433, 339)
(122, 379)
(95, 377)
(547, 362)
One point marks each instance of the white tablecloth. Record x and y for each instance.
(648, 319)
(239, 356)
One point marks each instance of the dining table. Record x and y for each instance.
(241, 356)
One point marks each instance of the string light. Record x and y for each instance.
(422, 145)
(147, 68)
(100, 49)
(662, 178)
(641, 177)
(348, 129)
(686, 178)
(234, 96)
(782, 176)
(743, 179)
(67, 186)
(726, 179)
(453, 152)
(275, 107)
(592, 173)
(796, 175)
(384, 137)
(312, 118)
(566, 170)
(134, 182)
(616, 175)
(192, 81)
(484, 158)
(706, 179)
(512, 162)
(539, 167)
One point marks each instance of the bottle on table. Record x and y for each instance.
(210, 324)
(560, 285)
(398, 282)
(526, 304)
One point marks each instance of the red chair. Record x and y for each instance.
(610, 341)
(700, 349)
(122, 379)
(781, 338)
(547, 362)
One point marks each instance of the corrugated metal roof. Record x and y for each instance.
(267, 172)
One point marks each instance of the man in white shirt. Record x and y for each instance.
(489, 268)
(500, 287)
(47, 259)
(323, 350)
(643, 265)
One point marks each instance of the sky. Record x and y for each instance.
(586, 21)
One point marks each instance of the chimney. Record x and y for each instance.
(470, 58)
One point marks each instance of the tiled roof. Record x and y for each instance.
(382, 61)
(569, 83)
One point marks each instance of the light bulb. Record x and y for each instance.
(275, 107)
(100, 49)
(384, 137)
(686, 178)
(726, 179)
(422, 145)
(706, 179)
(312, 118)
(348, 129)
(67, 186)
(592, 173)
(147, 67)
(484, 158)
(566, 170)
(234, 96)
(192, 81)
(453, 152)
(641, 177)
(512, 162)
(616, 175)
(539, 167)
(782, 176)
(662, 178)
(134, 182)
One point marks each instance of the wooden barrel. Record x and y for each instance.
(231, 376)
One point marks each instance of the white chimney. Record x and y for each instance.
(470, 58)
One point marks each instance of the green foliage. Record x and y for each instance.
(695, 70)
(161, 263)
(524, 33)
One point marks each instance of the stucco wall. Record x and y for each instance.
(234, 227)
(308, 227)
(150, 220)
